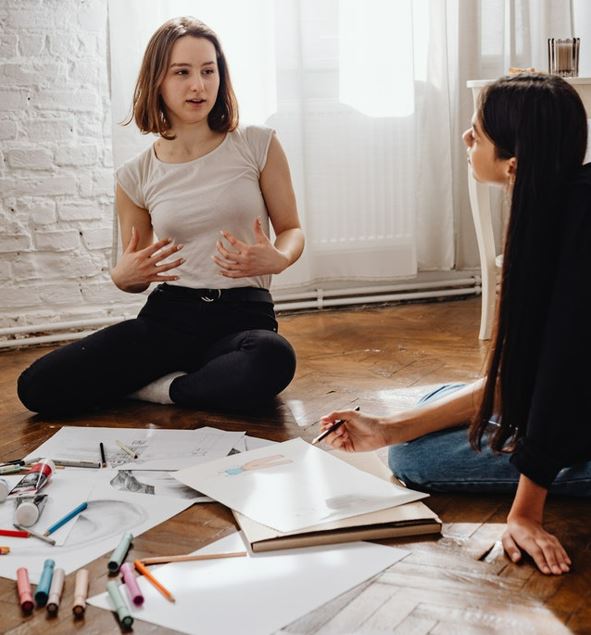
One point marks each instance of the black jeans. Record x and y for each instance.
(228, 346)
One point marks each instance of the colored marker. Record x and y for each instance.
(65, 519)
(34, 534)
(80, 593)
(55, 593)
(119, 604)
(152, 580)
(70, 463)
(10, 469)
(23, 586)
(127, 449)
(133, 590)
(4, 551)
(103, 457)
(42, 590)
(118, 555)
(19, 533)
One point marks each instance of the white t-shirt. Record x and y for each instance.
(191, 202)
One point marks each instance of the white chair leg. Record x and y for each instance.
(481, 213)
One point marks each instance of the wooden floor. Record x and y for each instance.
(381, 359)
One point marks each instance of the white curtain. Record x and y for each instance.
(369, 99)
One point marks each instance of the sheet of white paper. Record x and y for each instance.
(256, 595)
(293, 485)
(97, 530)
(156, 449)
(64, 493)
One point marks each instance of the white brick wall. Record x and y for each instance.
(56, 176)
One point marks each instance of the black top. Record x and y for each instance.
(558, 430)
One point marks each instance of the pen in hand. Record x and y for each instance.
(337, 424)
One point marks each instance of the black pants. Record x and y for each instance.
(228, 345)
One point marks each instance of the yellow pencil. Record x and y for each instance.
(152, 580)
(189, 558)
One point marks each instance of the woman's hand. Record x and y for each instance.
(525, 531)
(136, 269)
(242, 260)
(528, 534)
(358, 433)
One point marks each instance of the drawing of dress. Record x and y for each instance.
(257, 464)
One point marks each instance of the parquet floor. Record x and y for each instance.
(381, 359)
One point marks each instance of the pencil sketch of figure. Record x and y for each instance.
(155, 482)
(258, 464)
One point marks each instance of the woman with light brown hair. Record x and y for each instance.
(194, 211)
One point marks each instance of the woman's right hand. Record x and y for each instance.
(137, 268)
(357, 433)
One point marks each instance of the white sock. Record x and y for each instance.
(157, 391)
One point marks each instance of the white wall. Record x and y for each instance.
(56, 177)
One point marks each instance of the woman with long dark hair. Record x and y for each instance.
(529, 134)
(208, 190)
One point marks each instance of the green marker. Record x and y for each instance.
(118, 555)
(119, 603)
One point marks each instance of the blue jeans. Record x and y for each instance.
(444, 462)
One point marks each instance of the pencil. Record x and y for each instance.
(14, 533)
(127, 449)
(190, 558)
(103, 457)
(337, 424)
(152, 580)
(65, 519)
(49, 541)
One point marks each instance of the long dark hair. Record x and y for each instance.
(541, 121)
(149, 110)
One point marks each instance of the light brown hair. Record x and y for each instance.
(148, 108)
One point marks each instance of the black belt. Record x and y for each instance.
(235, 294)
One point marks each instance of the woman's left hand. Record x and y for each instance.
(242, 260)
(528, 534)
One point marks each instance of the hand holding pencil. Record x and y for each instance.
(352, 431)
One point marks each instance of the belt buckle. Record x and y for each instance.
(206, 298)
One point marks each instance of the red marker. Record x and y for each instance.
(25, 597)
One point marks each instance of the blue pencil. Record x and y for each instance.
(65, 519)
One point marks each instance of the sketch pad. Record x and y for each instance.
(405, 520)
(293, 485)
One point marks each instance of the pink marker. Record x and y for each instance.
(133, 590)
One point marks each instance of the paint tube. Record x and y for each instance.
(29, 508)
(38, 477)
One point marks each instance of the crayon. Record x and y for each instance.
(118, 555)
(80, 593)
(42, 590)
(121, 609)
(25, 597)
(55, 592)
(133, 590)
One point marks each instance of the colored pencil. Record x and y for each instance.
(65, 519)
(152, 580)
(191, 558)
(14, 533)
(49, 541)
